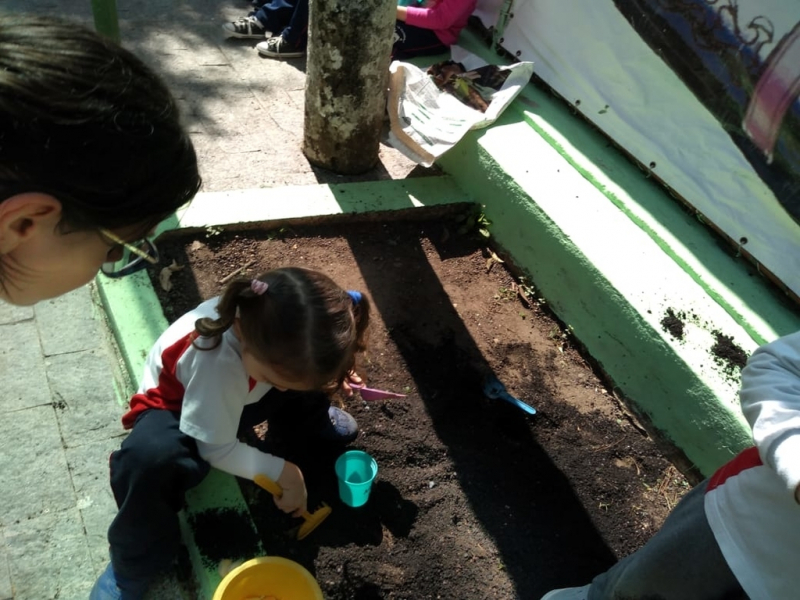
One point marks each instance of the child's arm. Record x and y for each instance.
(241, 460)
(245, 461)
(770, 398)
(442, 15)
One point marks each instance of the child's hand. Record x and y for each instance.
(295, 496)
(352, 378)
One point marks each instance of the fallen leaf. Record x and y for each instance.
(166, 274)
(493, 258)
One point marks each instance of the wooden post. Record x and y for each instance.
(106, 21)
(347, 74)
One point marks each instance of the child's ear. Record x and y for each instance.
(24, 215)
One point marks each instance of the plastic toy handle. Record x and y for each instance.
(519, 403)
(269, 485)
(275, 489)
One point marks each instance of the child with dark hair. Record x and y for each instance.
(93, 157)
(288, 337)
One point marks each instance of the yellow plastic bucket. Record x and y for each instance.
(269, 578)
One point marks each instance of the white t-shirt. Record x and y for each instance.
(210, 388)
(750, 502)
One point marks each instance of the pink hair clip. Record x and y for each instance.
(258, 286)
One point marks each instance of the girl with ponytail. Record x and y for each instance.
(275, 345)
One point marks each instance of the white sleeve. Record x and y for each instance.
(242, 460)
(770, 397)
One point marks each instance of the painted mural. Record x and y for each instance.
(743, 69)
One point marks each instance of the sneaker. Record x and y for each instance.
(247, 27)
(107, 588)
(277, 47)
(579, 593)
(343, 429)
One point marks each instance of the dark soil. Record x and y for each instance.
(673, 324)
(728, 354)
(474, 498)
(725, 352)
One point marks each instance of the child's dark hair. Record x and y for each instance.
(84, 120)
(303, 325)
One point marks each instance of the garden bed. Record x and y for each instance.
(474, 497)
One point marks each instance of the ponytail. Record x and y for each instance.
(227, 308)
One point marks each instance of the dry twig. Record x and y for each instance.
(233, 274)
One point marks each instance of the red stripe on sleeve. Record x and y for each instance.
(746, 459)
(168, 394)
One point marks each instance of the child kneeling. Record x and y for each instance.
(289, 329)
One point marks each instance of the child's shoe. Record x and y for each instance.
(107, 588)
(581, 593)
(343, 427)
(277, 47)
(247, 27)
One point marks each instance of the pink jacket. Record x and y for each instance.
(445, 17)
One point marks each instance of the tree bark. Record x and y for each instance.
(347, 71)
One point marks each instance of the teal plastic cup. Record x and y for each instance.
(355, 470)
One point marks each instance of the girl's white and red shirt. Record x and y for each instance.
(209, 387)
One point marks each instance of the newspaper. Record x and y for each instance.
(426, 121)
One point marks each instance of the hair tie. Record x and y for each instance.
(258, 286)
(354, 296)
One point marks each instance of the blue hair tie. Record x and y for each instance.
(354, 296)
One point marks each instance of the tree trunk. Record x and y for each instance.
(347, 71)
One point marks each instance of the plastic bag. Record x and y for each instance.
(426, 120)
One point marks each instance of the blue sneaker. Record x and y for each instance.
(343, 427)
(107, 587)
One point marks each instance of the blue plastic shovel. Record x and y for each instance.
(494, 389)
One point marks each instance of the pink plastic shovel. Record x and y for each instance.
(373, 394)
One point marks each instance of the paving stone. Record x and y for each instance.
(88, 465)
(13, 314)
(22, 372)
(48, 557)
(6, 591)
(69, 323)
(34, 479)
(84, 396)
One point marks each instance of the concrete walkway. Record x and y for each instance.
(59, 420)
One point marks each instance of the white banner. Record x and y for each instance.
(704, 92)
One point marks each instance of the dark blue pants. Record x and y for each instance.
(287, 18)
(410, 41)
(157, 464)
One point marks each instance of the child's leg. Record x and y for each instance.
(275, 15)
(150, 473)
(410, 41)
(296, 32)
(682, 561)
(296, 417)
